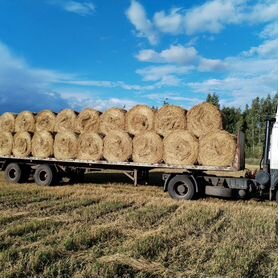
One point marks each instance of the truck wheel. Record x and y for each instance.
(218, 191)
(181, 188)
(14, 173)
(44, 175)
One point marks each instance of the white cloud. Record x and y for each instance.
(246, 78)
(80, 8)
(181, 60)
(171, 23)
(268, 48)
(177, 54)
(263, 11)
(137, 16)
(19, 81)
(165, 74)
(211, 17)
(80, 101)
(208, 65)
(270, 31)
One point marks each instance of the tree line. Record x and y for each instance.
(250, 120)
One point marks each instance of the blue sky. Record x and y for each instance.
(62, 53)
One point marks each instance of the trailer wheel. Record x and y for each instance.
(181, 188)
(44, 175)
(14, 173)
(218, 191)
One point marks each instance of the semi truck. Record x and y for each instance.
(181, 182)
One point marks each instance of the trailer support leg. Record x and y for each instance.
(133, 175)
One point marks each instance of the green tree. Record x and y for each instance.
(213, 99)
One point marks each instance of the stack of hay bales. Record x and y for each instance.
(169, 135)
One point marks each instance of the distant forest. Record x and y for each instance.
(250, 120)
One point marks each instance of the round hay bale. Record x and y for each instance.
(25, 121)
(217, 148)
(147, 148)
(22, 145)
(45, 121)
(117, 146)
(65, 145)
(6, 143)
(42, 144)
(90, 146)
(7, 122)
(88, 121)
(112, 119)
(204, 118)
(140, 118)
(180, 148)
(65, 121)
(169, 118)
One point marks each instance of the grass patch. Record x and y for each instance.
(125, 231)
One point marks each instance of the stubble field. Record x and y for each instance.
(108, 228)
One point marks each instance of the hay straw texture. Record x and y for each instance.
(204, 118)
(170, 118)
(65, 145)
(22, 144)
(140, 118)
(147, 148)
(65, 121)
(6, 143)
(117, 146)
(42, 144)
(180, 148)
(90, 146)
(217, 148)
(7, 122)
(45, 121)
(25, 121)
(112, 119)
(87, 121)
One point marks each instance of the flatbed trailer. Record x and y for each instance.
(191, 181)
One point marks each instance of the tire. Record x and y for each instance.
(14, 173)
(218, 191)
(276, 196)
(181, 188)
(45, 175)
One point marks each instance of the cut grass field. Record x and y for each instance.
(108, 228)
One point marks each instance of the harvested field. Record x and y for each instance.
(117, 230)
